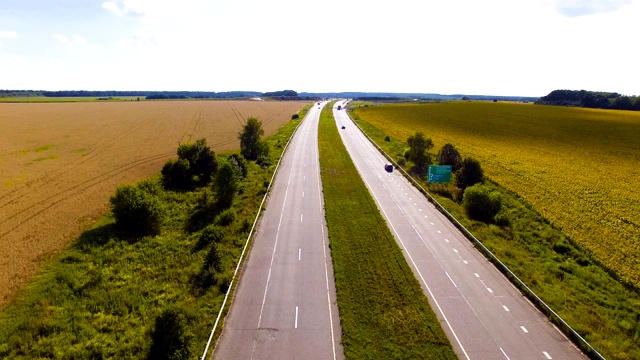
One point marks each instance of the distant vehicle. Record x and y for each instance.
(388, 167)
(318, 103)
(339, 107)
(343, 126)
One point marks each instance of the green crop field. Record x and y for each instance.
(577, 167)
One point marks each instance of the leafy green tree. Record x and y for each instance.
(449, 155)
(202, 160)
(250, 139)
(480, 203)
(240, 166)
(226, 184)
(177, 174)
(136, 211)
(418, 147)
(171, 339)
(470, 173)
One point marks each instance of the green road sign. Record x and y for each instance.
(439, 173)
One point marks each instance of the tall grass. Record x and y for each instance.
(383, 311)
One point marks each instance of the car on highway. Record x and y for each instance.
(388, 167)
(343, 126)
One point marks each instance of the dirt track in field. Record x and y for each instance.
(60, 163)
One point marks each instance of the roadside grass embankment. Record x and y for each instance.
(383, 311)
(101, 297)
(563, 274)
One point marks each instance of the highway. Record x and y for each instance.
(285, 304)
(484, 316)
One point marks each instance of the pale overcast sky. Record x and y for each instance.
(491, 47)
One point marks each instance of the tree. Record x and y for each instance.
(226, 184)
(202, 160)
(449, 155)
(171, 339)
(136, 211)
(418, 147)
(239, 164)
(176, 174)
(480, 203)
(250, 138)
(470, 173)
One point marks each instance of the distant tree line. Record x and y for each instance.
(20, 93)
(591, 99)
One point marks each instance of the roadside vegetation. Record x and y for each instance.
(383, 311)
(148, 279)
(561, 271)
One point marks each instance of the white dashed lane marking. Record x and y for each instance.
(524, 329)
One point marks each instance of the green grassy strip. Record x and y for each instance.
(383, 311)
(100, 297)
(597, 306)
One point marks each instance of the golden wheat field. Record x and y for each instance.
(579, 167)
(60, 162)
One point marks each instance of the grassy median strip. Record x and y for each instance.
(383, 311)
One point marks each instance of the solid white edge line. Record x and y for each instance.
(505, 354)
(244, 249)
(454, 284)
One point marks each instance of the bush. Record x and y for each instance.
(136, 211)
(176, 174)
(401, 162)
(295, 116)
(226, 185)
(171, 339)
(480, 203)
(387, 138)
(210, 235)
(226, 217)
(263, 154)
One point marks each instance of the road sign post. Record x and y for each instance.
(439, 173)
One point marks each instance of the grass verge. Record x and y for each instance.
(602, 310)
(383, 311)
(101, 297)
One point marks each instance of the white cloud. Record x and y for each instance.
(140, 38)
(112, 7)
(573, 8)
(8, 34)
(133, 8)
(79, 39)
(60, 38)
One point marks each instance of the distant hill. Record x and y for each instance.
(591, 99)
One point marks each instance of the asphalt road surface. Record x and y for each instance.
(285, 303)
(484, 316)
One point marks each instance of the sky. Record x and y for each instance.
(488, 47)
